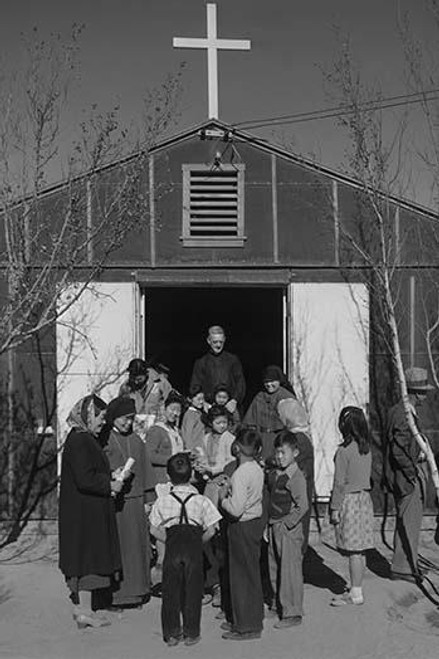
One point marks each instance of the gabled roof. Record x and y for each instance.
(259, 143)
(281, 152)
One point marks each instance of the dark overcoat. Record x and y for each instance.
(402, 453)
(88, 540)
(211, 370)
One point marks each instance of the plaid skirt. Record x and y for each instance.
(355, 531)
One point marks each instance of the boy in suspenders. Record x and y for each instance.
(183, 520)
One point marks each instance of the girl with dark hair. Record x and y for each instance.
(223, 397)
(163, 439)
(351, 509)
(192, 426)
(215, 451)
(89, 555)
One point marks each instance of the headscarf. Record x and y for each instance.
(271, 373)
(120, 406)
(85, 411)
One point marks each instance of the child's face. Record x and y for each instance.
(198, 401)
(219, 424)
(221, 398)
(286, 456)
(172, 413)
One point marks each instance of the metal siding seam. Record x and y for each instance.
(152, 245)
(336, 216)
(274, 209)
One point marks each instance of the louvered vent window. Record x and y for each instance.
(213, 206)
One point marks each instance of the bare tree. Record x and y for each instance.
(371, 242)
(53, 235)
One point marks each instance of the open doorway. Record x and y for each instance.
(177, 320)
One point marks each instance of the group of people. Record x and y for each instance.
(213, 490)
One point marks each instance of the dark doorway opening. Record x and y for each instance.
(177, 320)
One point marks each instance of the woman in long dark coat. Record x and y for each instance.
(263, 412)
(89, 555)
(138, 490)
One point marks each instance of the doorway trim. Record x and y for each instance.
(209, 275)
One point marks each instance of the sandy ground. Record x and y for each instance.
(397, 621)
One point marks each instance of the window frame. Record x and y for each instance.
(217, 241)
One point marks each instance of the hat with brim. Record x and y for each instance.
(417, 381)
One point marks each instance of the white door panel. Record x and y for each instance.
(329, 361)
(96, 338)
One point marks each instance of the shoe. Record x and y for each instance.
(192, 640)
(346, 598)
(172, 641)
(84, 620)
(291, 621)
(101, 615)
(227, 626)
(207, 598)
(241, 636)
(407, 576)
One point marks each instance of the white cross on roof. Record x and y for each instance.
(212, 44)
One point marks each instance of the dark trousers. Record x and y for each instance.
(409, 511)
(182, 584)
(244, 539)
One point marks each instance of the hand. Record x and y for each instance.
(223, 490)
(116, 486)
(116, 473)
(148, 508)
(231, 405)
(334, 517)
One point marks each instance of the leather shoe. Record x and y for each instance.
(192, 640)
(227, 626)
(241, 636)
(292, 621)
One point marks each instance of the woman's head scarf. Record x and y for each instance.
(85, 411)
(272, 373)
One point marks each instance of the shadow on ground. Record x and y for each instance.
(317, 573)
(377, 563)
(5, 593)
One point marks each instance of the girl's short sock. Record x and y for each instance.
(356, 594)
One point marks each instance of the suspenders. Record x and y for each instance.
(183, 513)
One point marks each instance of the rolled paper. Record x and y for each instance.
(126, 469)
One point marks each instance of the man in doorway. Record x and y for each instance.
(219, 367)
(406, 476)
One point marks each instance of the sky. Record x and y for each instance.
(126, 47)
